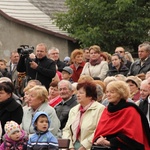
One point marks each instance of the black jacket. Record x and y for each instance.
(45, 71)
(10, 110)
(62, 110)
(60, 65)
(113, 71)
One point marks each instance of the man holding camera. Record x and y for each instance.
(41, 68)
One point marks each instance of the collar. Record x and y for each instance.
(149, 99)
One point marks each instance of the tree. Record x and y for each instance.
(108, 23)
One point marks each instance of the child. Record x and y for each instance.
(42, 139)
(15, 138)
(67, 73)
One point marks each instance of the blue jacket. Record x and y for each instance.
(42, 140)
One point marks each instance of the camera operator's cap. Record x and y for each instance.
(68, 69)
(134, 79)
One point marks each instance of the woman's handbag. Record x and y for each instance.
(98, 147)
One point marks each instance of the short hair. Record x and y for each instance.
(53, 48)
(75, 53)
(90, 89)
(121, 87)
(96, 48)
(8, 87)
(147, 46)
(4, 61)
(85, 78)
(68, 83)
(54, 84)
(42, 44)
(109, 79)
(37, 82)
(41, 92)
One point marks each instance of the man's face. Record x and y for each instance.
(14, 58)
(86, 54)
(120, 51)
(64, 91)
(2, 65)
(142, 53)
(40, 51)
(54, 54)
(144, 91)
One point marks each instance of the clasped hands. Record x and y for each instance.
(102, 141)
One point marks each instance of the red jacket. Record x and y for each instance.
(77, 72)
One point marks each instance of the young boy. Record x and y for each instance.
(67, 73)
(42, 139)
(15, 138)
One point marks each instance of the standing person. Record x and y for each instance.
(12, 65)
(141, 66)
(38, 101)
(42, 68)
(86, 54)
(83, 118)
(95, 67)
(77, 64)
(120, 121)
(43, 139)
(9, 108)
(53, 53)
(68, 101)
(14, 138)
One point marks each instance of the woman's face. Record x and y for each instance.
(53, 92)
(4, 96)
(132, 86)
(82, 98)
(78, 59)
(115, 61)
(34, 101)
(94, 55)
(112, 95)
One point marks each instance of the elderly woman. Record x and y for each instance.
(77, 64)
(83, 118)
(38, 101)
(9, 108)
(95, 67)
(122, 125)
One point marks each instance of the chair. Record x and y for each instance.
(63, 143)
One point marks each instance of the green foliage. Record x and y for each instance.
(108, 23)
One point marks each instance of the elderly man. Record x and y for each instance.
(145, 104)
(68, 101)
(141, 66)
(41, 68)
(53, 54)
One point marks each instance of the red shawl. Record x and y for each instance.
(127, 122)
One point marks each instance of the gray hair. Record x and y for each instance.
(53, 48)
(146, 46)
(68, 83)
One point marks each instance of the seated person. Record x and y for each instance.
(67, 73)
(43, 139)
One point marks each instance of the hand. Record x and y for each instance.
(102, 141)
(141, 76)
(33, 65)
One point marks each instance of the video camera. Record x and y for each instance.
(25, 50)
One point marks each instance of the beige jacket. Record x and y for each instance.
(99, 70)
(88, 126)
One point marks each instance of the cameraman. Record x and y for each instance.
(41, 68)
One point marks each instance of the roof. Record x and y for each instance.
(35, 14)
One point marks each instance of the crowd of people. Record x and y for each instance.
(97, 100)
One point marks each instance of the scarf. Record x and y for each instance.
(95, 62)
(76, 125)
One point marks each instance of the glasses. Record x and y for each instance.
(54, 53)
(119, 52)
